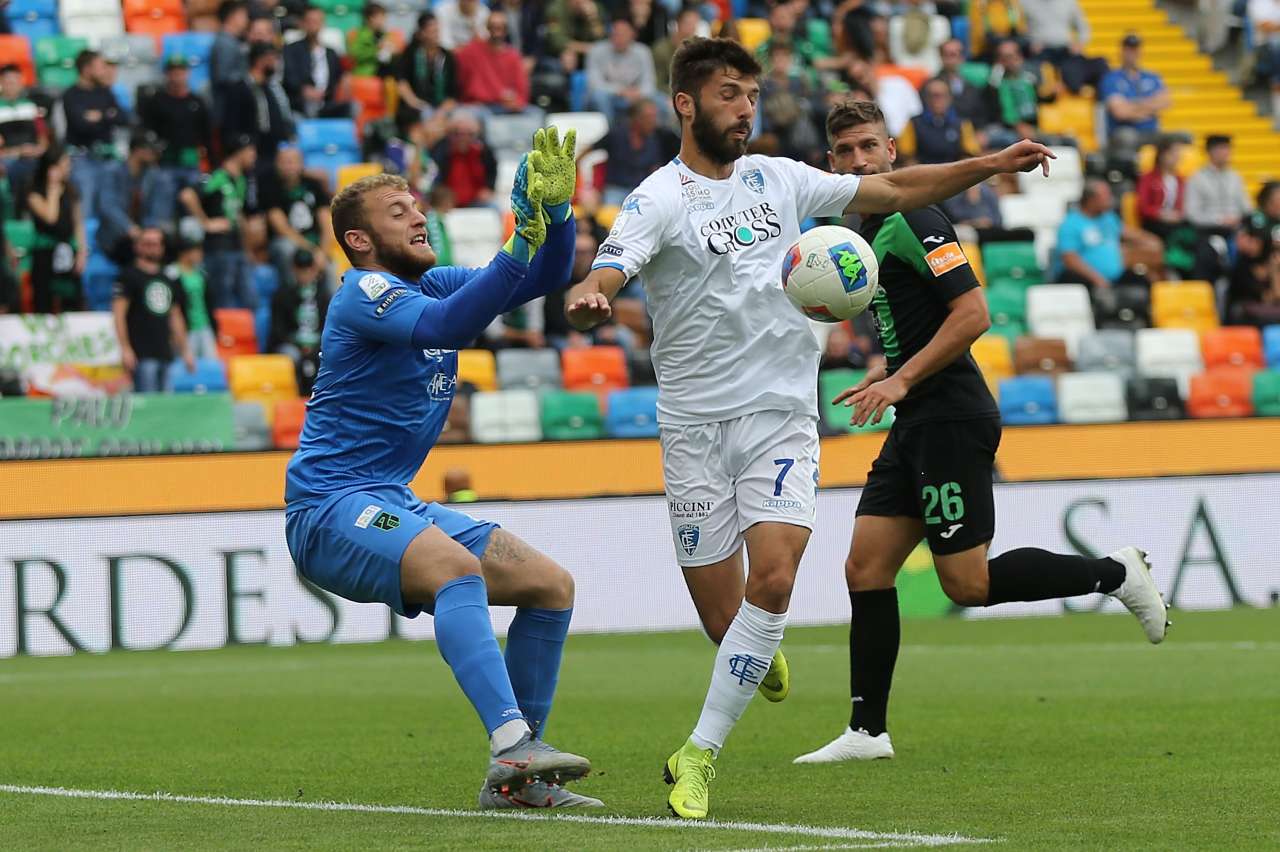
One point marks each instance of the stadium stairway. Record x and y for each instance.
(1204, 99)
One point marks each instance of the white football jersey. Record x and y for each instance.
(726, 341)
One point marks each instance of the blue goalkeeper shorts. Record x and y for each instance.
(351, 544)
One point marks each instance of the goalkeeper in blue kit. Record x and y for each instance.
(387, 377)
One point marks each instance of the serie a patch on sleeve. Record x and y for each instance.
(373, 285)
(945, 258)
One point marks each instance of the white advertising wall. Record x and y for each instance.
(203, 581)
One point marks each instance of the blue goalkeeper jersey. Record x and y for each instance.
(379, 403)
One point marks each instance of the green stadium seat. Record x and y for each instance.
(977, 74)
(571, 416)
(1011, 263)
(830, 383)
(1266, 393)
(1008, 306)
(55, 58)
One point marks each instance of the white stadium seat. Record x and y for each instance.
(1169, 353)
(1110, 350)
(1091, 398)
(591, 127)
(512, 134)
(507, 165)
(505, 416)
(1065, 180)
(1060, 310)
(1032, 211)
(475, 233)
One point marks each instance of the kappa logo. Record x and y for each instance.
(688, 534)
(631, 204)
(754, 180)
(781, 503)
(367, 515)
(437, 354)
(853, 272)
(386, 521)
(374, 285)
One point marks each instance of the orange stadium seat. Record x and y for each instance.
(599, 368)
(1233, 346)
(287, 427)
(1224, 392)
(914, 75)
(236, 335)
(16, 50)
(370, 93)
(1183, 304)
(154, 9)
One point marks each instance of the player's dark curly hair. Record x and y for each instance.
(348, 212)
(852, 113)
(698, 59)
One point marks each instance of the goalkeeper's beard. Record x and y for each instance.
(714, 142)
(401, 260)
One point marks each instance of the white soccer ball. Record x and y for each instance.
(831, 274)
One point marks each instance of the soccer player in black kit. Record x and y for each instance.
(933, 477)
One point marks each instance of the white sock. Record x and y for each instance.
(507, 734)
(742, 660)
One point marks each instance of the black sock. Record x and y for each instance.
(1031, 574)
(874, 633)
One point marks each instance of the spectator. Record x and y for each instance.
(1134, 98)
(688, 23)
(978, 207)
(219, 206)
(1161, 191)
(461, 21)
(438, 203)
(994, 21)
(786, 106)
(24, 134)
(970, 102)
(1216, 200)
(262, 30)
(1254, 296)
(785, 25)
(1058, 32)
(371, 47)
(939, 134)
(619, 71)
(297, 208)
(92, 116)
(228, 61)
(147, 306)
(257, 106)
(521, 328)
(197, 300)
(635, 147)
(491, 72)
(1017, 92)
(181, 122)
(1097, 249)
(427, 76)
(297, 317)
(896, 97)
(59, 253)
(1264, 17)
(573, 28)
(125, 192)
(851, 28)
(10, 297)
(916, 39)
(313, 72)
(467, 164)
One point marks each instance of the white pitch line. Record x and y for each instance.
(903, 838)
(1055, 647)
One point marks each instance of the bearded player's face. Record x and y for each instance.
(398, 232)
(723, 114)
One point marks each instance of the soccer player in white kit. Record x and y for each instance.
(737, 365)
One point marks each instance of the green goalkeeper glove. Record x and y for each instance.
(527, 197)
(554, 162)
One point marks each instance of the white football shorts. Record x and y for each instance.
(723, 477)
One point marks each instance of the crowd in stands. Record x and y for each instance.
(172, 185)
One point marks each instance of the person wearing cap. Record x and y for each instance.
(1216, 198)
(123, 190)
(313, 73)
(1134, 97)
(92, 115)
(180, 120)
(298, 309)
(219, 206)
(297, 208)
(257, 106)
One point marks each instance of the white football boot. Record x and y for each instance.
(1139, 594)
(851, 745)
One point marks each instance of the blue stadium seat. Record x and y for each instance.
(99, 280)
(124, 96)
(210, 377)
(331, 163)
(33, 18)
(262, 325)
(328, 136)
(1028, 401)
(196, 47)
(265, 281)
(578, 91)
(1271, 345)
(633, 413)
(960, 30)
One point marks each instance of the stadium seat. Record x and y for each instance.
(1233, 346)
(978, 74)
(1153, 398)
(131, 51)
(16, 50)
(262, 324)
(512, 134)
(55, 58)
(1065, 181)
(1266, 393)
(831, 383)
(1222, 392)
(1071, 116)
(1109, 350)
(578, 91)
(155, 25)
(974, 255)
(633, 413)
(32, 19)
(1044, 356)
(1014, 262)
(994, 357)
(236, 332)
(1170, 353)
(96, 20)
(1060, 310)
(1031, 211)
(1127, 306)
(328, 136)
(266, 279)
(210, 376)
(597, 368)
(1183, 304)
(262, 377)
(477, 367)
(348, 175)
(1028, 401)
(331, 164)
(533, 369)
(505, 417)
(753, 32)
(197, 48)
(1008, 306)
(591, 127)
(1271, 345)
(287, 425)
(1188, 164)
(253, 432)
(342, 14)
(1091, 398)
(100, 276)
(475, 234)
(571, 416)
(926, 55)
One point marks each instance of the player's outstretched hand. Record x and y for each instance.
(871, 397)
(554, 160)
(589, 311)
(527, 197)
(1023, 157)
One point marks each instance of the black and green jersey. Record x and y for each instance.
(222, 196)
(921, 270)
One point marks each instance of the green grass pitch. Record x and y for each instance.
(1037, 733)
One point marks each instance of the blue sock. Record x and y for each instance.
(465, 638)
(535, 644)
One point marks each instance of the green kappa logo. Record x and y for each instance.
(386, 521)
(851, 269)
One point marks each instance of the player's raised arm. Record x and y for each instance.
(920, 186)
(553, 163)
